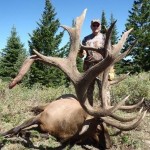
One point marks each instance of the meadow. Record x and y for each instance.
(15, 106)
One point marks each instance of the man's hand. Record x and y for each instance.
(81, 53)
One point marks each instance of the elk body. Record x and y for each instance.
(73, 119)
(66, 120)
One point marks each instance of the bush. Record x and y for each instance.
(137, 86)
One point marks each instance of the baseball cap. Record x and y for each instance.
(95, 21)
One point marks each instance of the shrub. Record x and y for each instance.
(137, 86)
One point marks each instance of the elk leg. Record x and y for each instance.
(17, 129)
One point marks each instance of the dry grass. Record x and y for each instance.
(137, 139)
(15, 107)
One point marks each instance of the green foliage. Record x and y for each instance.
(104, 26)
(12, 56)
(103, 22)
(138, 59)
(46, 40)
(125, 139)
(128, 142)
(137, 86)
(114, 36)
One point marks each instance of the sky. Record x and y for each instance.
(24, 15)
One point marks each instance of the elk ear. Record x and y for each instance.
(86, 125)
(84, 129)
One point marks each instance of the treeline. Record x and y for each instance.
(47, 40)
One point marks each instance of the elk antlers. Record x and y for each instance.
(81, 81)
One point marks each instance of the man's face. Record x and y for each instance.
(95, 27)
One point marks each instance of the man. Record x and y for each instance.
(96, 40)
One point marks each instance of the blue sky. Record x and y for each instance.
(24, 15)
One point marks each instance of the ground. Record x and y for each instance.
(138, 139)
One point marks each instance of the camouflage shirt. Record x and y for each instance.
(96, 42)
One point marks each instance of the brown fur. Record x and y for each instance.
(64, 119)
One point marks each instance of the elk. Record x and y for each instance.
(74, 119)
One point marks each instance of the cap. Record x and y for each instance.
(95, 21)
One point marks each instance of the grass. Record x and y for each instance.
(16, 103)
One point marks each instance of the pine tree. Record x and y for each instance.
(114, 36)
(139, 19)
(114, 39)
(103, 22)
(46, 40)
(12, 56)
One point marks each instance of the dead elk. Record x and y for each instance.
(65, 119)
(71, 119)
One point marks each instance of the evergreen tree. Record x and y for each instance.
(103, 22)
(139, 20)
(46, 40)
(12, 56)
(114, 36)
(114, 39)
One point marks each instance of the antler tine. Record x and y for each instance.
(68, 29)
(79, 20)
(122, 55)
(48, 59)
(23, 70)
(128, 119)
(124, 127)
(114, 108)
(117, 47)
(119, 79)
(101, 112)
(75, 36)
(107, 44)
(108, 35)
(132, 106)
